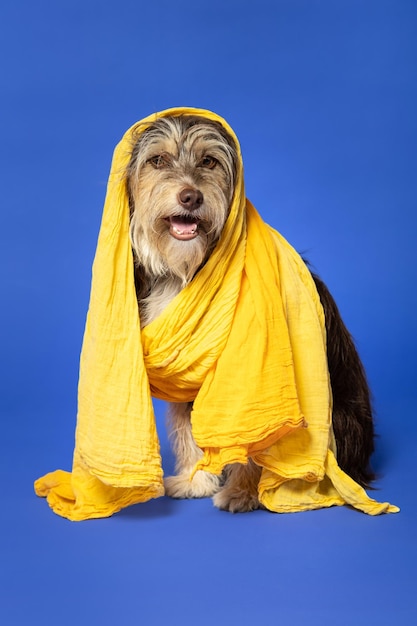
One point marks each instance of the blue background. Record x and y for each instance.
(322, 95)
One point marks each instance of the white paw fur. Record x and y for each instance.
(202, 485)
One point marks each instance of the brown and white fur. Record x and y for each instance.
(180, 181)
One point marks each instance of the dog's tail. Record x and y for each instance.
(352, 410)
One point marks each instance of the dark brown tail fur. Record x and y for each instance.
(352, 412)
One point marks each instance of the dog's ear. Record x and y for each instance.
(129, 196)
(141, 284)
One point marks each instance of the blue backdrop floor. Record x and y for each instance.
(185, 562)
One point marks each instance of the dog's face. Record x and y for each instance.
(180, 180)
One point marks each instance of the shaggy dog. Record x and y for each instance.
(180, 180)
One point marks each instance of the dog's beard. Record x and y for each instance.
(169, 239)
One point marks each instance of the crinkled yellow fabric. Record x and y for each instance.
(245, 341)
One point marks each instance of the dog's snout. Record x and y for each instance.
(190, 198)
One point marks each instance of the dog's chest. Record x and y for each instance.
(161, 294)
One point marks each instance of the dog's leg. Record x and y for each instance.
(187, 454)
(240, 492)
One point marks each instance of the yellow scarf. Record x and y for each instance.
(245, 341)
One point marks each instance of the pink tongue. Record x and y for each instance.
(182, 229)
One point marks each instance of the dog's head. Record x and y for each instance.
(180, 179)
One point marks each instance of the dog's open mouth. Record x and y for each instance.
(183, 227)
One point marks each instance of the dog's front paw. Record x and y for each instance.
(236, 500)
(202, 485)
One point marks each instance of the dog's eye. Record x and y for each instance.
(159, 161)
(208, 161)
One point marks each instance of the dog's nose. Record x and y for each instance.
(190, 198)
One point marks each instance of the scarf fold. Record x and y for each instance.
(245, 341)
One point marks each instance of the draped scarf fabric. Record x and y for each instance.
(245, 341)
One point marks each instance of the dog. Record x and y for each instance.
(180, 181)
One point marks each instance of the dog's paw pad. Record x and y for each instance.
(236, 501)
